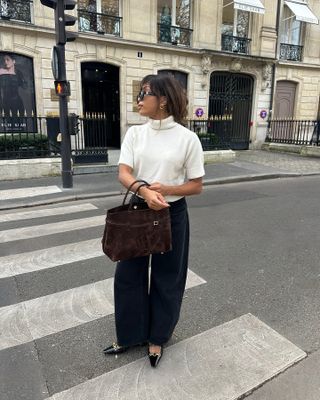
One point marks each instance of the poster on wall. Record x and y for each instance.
(17, 95)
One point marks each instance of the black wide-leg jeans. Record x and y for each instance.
(150, 314)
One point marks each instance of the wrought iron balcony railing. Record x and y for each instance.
(291, 52)
(18, 10)
(98, 22)
(235, 44)
(174, 35)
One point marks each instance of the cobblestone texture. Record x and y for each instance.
(281, 161)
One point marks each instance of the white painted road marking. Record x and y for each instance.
(28, 192)
(222, 363)
(46, 212)
(32, 261)
(32, 319)
(49, 229)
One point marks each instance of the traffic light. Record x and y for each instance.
(73, 124)
(62, 88)
(62, 20)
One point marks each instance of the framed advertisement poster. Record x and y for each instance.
(17, 94)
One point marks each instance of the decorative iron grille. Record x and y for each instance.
(98, 22)
(235, 44)
(212, 133)
(174, 35)
(300, 132)
(19, 10)
(291, 52)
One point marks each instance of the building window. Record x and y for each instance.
(290, 37)
(182, 77)
(291, 29)
(174, 22)
(235, 29)
(18, 10)
(294, 17)
(236, 24)
(101, 16)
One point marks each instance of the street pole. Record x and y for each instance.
(62, 86)
(66, 172)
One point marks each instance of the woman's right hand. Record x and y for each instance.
(154, 199)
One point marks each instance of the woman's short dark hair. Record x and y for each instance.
(171, 88)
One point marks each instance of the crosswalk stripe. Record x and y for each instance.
(38, 260)
(225, 362)
(49, 229)
(47, 212)
(32, 261)
(28, 192)
(32, 319)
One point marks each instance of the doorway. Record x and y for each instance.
(284, 99)
(230, 104)
(101, 104)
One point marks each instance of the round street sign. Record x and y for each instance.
(199, 112)
(263, 114)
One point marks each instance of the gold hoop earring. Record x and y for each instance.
(162, 106)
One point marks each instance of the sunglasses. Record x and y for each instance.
(142, 93)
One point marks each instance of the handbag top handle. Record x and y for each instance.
(144, 183)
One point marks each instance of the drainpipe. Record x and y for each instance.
(276, 59)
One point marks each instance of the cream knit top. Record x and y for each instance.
(163, 151)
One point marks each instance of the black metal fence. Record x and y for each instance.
(300, 132)
(214, 134)
(19, 10)
(174, 35)
(235, 44)
(36, 137)
(25, 137)
(291, 52)
(99, 22)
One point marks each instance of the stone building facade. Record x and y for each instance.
(239, 60)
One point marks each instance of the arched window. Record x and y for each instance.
(182, 77)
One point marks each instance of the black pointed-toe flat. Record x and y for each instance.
(115, 348)
(155, 358)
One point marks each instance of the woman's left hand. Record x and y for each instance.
(159, 187)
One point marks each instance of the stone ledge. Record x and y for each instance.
(217, 156)
(310, 151)
(29, 168)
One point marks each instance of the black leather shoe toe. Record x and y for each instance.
(155, 358)
(115, 348)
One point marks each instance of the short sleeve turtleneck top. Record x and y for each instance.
(163, 151)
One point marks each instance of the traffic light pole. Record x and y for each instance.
(62, 86)
(66, 172)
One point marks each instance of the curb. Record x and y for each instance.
(206, 182)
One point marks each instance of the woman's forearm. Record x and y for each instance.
(193, 186)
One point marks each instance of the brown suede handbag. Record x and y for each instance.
(135, 230)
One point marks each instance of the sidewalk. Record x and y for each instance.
(248, 165)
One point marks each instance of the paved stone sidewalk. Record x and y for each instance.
(281, 161)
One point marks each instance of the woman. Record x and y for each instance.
(170, 158)
(11, 80)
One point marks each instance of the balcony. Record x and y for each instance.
(174, 35)
(235, 44)
(99, 23)
(291, 52)
(16, 10)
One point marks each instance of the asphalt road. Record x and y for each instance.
(256, 245)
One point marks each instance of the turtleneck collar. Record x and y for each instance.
(161, 124)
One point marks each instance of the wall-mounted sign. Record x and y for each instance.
(263, 114)
(136, 86)
(17, 94)
(199, 112)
